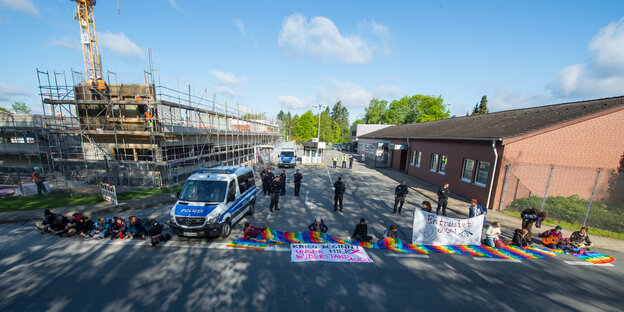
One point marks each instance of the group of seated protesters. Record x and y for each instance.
(360, 233)
(114, 228)
(552, 238)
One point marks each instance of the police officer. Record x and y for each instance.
(350, 161)
(283, 181)
(298, 178)
(339, 190)
(335, 160)
(276, 186)
(399, 196)
(443, 195)
(344, 161)
(268, 179)
(262, 176)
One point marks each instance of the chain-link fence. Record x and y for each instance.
(575, 195)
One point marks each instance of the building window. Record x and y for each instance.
(353, 133)
(483, 167)
(467, 170)
(434, 162)
(415, 159)
(442, 169)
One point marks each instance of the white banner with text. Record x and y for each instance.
(432, 229)
(328, 253)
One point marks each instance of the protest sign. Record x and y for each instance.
(108, 192)
(328, 253)
(432, 229)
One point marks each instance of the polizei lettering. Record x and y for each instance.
(191, 210)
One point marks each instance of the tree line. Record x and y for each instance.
(334, 125)
(408, 109)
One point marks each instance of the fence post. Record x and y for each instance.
(552, 167)
(502, 200)
(592, 197)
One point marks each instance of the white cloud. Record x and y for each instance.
(292, 102)
(385, 91)
(350, 94)
(226, 91)
(227, 78)
(7, 91)
(121, 45)
(65, 42)
(240, 26)
(25, 6)
(174, 5)
(503, 99)
(320, 39)
(603, 74)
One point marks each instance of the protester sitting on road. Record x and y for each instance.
(391, 232)
(553, 236)
(426, 206)
(252, 231)
(318, 226)
(520, 238)
(118, 229)
(580, 239)
(79, 225)
(155, 231)
(135, 228)
(360, 234)
(48, 218)
(100, 228)
(531, 216)
(59, 224)
(492, 234)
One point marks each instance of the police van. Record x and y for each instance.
(212, 200)
(287, 158)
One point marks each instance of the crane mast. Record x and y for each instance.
(88, 39)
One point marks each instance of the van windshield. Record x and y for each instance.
(204, 191)
(288, 154)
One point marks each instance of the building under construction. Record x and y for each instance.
(128, 134)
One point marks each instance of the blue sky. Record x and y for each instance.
(272, 55)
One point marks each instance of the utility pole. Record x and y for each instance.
(320, 107)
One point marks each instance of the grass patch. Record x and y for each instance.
(47, 201)
(55, 200)
(571, 226)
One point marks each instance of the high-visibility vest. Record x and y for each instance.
(344, 158)
(101, 85)
(147, 115)
(138, 98)
(334, 158)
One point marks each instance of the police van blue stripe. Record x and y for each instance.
(245, 198)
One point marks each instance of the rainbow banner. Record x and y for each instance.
(272, 236)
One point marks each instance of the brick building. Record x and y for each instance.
(500, 156)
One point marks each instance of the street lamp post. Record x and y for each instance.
(320, 107)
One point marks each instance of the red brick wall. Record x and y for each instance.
(456, 152)
(576, 151)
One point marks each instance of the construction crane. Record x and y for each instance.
(88, 38)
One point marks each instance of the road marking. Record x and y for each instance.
(406, 255)
(328, 175)
(587, 263)
(496, 260)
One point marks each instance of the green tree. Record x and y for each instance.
(481, 107)
(358, 122)
(327, 133)
(616, 186)
(2, 109)
(20, 107)
(417, 108)
(305, 128)
(340, 117)
(375, 111)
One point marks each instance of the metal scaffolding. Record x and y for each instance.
(129, 134)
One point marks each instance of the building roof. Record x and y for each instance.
(500, 125)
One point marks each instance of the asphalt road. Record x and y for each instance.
(46, 273)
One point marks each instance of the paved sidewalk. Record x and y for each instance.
(90, 209)
(459, 206)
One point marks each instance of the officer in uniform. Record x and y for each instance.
(339, 190)
(268, 179)
(335, 160)
(344, 161)
(276, 187)
(283, 181)
(298, 178)
(399, 196)
(262, 176)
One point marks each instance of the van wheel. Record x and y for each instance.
(227, 229)
(251, 207)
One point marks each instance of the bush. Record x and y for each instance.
(572, 210)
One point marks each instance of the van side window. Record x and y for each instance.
(242, 183)
(250, 179)
(232, 188)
